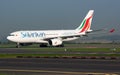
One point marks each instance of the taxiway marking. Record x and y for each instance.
(60, 72)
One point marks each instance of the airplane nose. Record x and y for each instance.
(11, 38)
(8, 37)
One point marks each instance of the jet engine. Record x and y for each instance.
(55, 42)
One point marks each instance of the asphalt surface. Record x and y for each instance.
(52, 66)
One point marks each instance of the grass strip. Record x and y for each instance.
(54, 55)
(54, 49)
(76, 49)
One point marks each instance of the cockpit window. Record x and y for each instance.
(13, 34)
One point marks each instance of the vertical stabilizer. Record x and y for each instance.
(86, 23)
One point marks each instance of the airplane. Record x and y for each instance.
(53, 38)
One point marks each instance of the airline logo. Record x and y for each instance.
(32, 34)
(86, 24)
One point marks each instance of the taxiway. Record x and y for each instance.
(46, 66)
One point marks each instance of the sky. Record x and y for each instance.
(18, 15)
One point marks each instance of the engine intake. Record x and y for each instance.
(55, 42)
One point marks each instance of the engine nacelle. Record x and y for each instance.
(55, 42)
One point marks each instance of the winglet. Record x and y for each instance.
(112, 30)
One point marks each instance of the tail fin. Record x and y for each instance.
(86, 23)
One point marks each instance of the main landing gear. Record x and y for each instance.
(62, 45)
(18, 45)
(43, 45)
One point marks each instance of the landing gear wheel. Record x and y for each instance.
(62, 45)
(18, 45)
(43, 45)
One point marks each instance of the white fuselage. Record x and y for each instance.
(39, 36)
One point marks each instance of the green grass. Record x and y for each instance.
(72, 49)
(4, 74)
(111, 48)
(54, 55)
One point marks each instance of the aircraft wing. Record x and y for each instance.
(104, 31)
(65, 36)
